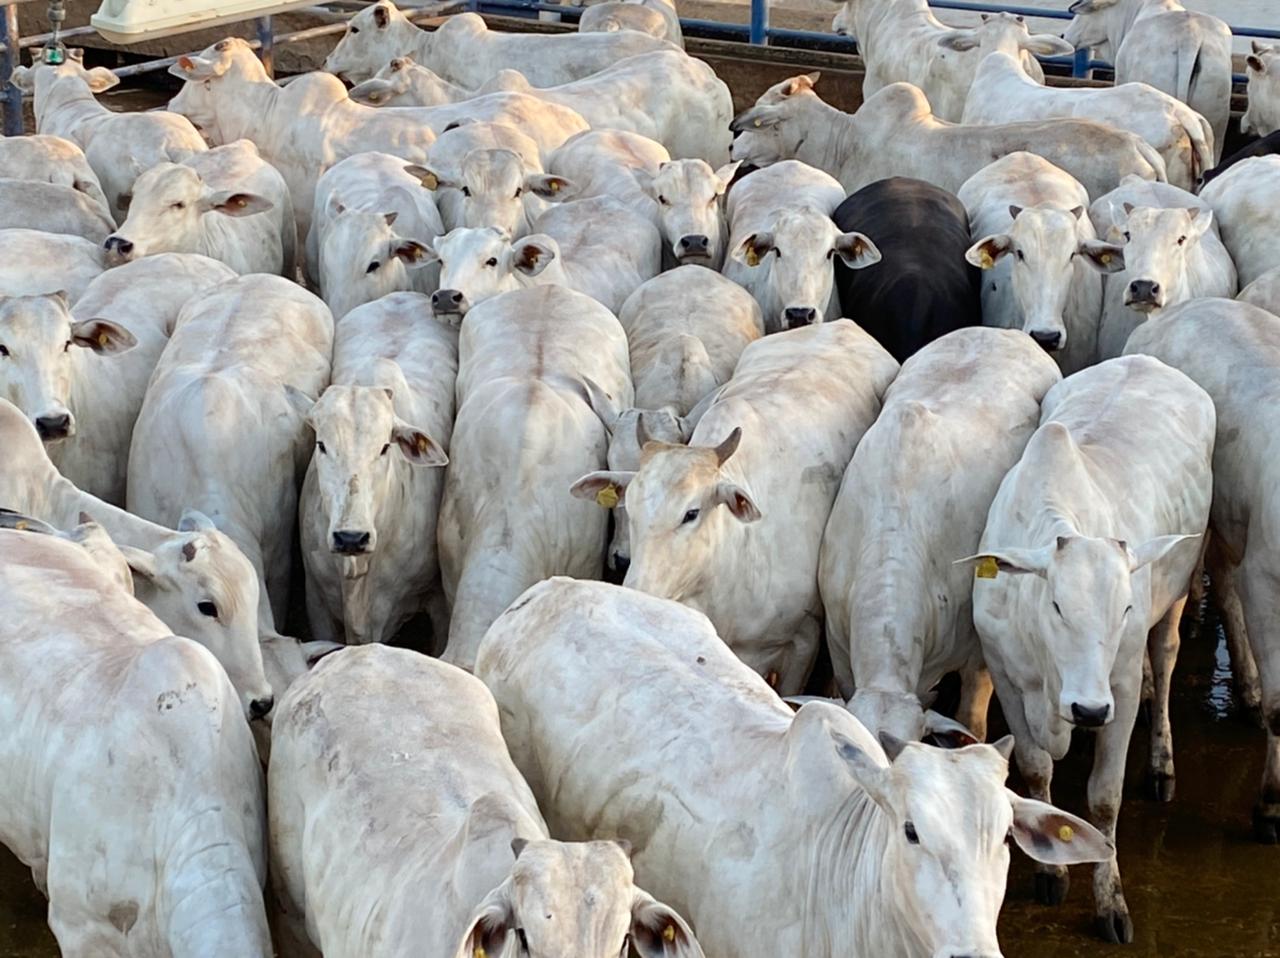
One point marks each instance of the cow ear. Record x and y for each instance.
(100, 79)
(193, 520)
(601, 403)
(866, 771)
(199, 68)
(371, 92)
(725, 175)
(549, 187)
(491, 926)
(1046, 45)
(801, 84)
(300, 402)
(946, 732)
(857, 250)
(1050, 835)
(102, 336)
(532, 254)
(989, 563)
(757, 118)
(412, 253)
(658, 932)
(231, 203)
(605, 489)
(24, 79)
(985, 253)
(141, 563)
(1153, 550)
(1201, 220)
(754, 249)
(738, 502)
(381, 16)
(431, 179)
(1104, 257)
(416, 446)
(959, 40)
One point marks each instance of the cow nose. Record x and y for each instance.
(797, 316)
(118, 246)
(693, 245)
(1090, 716)
(446, 300)
(261, 708)
(54, 427)
(1050, 340)
(1144, 292)
(349, 543)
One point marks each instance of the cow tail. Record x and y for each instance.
(1153, 157)
(1188, 69)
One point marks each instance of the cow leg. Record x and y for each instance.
(1148, 687)
(1106, 787)
(1259, 591)
(84, 935)
(1244, 670)
(975, 698)
(1162, 644)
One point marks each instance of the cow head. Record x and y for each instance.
(574, 899)
(40, 344)
(1005, 33)
(212, 76)
(362, 257)
(1263, 115)
(1157, 245)
(373, 36)
(476, 264)
(359, 442)
(1094, 23)
(774, 129)
(496, 188)
(690, 198)
(393, 84)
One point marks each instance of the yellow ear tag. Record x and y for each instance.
(1106, 259)
(102, 339)
(555, 186)
(21, 526)
(479, 952)
(607, 497)
(1066, 833)
(423, 445)
(430, 181)
(669, 933)
(753, 258)
(988, 568)
(986, 259)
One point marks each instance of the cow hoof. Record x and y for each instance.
(1266, 827)
(1115, 927)
(1160, 786)
(1051, 889)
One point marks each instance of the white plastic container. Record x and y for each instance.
(130, 21)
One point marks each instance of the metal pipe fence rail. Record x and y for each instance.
(757, 31)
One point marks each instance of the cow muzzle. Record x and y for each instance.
(119, 249)
(261, 708)
(1090, 714)
(1050, 340)
(1144, 296)
(448, 302)
(348, 542)
(693, 247)
(797, 316)
(55, 426)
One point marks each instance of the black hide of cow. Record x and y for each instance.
(922, 288)
(1269, 145)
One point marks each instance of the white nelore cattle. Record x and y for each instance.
(1250, 228)
(368, 509)
(1185, 53)
(605, 17)
(465, 51)
(376, 817)
(1264, 291)
(1003, 93)
(195, 579)
(44, 158)
(404, 82)
(1232, 350)
(491, 186)
(363, 257)
(36, 262)
(914, 499)
(782, 243)
(118, 146)
(894, 133)
(226, 203)
(52, 209)
(1090, 544)
(83, 401)
(612, 163)
(731, 800)
(770, 449)
(900, 40)
(690, 210)
(686, 329)
(131, 784)
(1263, 115)
(619, 9)
(221, 428)
(526, 429)
(1171, 253)
(595, 246)
(1040, 253)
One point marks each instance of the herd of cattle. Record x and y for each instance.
(466, 339)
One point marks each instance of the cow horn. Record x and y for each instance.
(729, 446)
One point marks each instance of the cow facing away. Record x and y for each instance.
(858, 847)
(44, 158)
(54, 208)
(1264, 291)
(36, 263)
(1250, 229)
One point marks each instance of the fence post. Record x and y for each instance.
(1080, 65)
(10, 58)
(760, 21)
(267, 41)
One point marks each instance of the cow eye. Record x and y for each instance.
(466, 191)
(207, 608)
(491, 261)
(690, 516)
(1126, 236)
(354, 29)
(519, 191)
(664, 201)
(180, 205)
(372, 267)
(910, 829)
(384, 449)
(524, 942)
(320, 446)
(4, 351)
(1181, 240)
(1058, 609)
(1128, 610)
(1021, 258)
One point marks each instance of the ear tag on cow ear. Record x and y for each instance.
(607, 497)
(759, 122)
(988, 568)
(1106, 259)
(21, 525)
(479, 952)
(669, 933)
(430, 180)
(986, 259)
(102, 340)
(1066, 833)
(555, 186)
(423, 444)
(753, 258)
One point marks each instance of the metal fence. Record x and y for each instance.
(758, 31)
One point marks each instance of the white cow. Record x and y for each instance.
(597, 11)
(1042, 258)
(1264, 291)
(770, 448)
(226, 203)
(690, 210)
(1250, 229)
(465, 51)
(612, 163)
(131, 785)
(621, 15)
(52, 209)
(782, 243)
(404, 82)
(1232, 350)
(1003, 93)
(367, 515)
(36, 262)
(118, 146)
(1184, 53)
(914, 499)
(1263, 115)
(1090, 545)
(44, 158)
(894, 133)
(594, 246)
(775, 833)
(221, 428)
(375, 818)
(83, 401)
(526, 429)
(900, 42)
(492, 186)
(195, 579)
(1171, 253)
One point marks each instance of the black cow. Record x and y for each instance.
(1269, 145)
(922, 288)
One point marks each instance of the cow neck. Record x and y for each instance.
(63, 105)
(829, 143)
(1122, 17)
(256, 103)
(891, 15)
